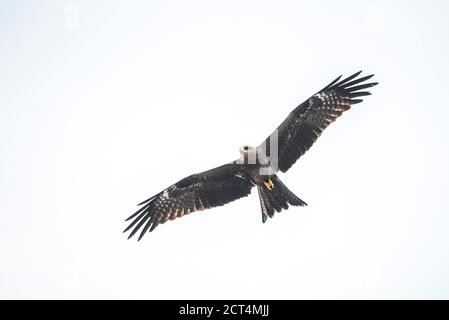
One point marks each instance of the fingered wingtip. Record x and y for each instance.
(127, 228)
(141, 236)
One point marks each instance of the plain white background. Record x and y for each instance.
(105, 103)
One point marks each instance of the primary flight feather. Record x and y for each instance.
(256, 166)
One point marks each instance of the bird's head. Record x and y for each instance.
(245, 150)
(247, 154)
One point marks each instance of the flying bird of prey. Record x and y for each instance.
(257, 166)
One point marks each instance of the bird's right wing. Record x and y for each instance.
(306, 122)
(201, 191)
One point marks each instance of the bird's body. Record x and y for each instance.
(257, 166)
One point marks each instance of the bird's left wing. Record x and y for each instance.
(201, 191)
(306, 122)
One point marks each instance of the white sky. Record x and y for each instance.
(104, 104)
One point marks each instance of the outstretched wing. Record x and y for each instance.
(305, 124)
(197, 192)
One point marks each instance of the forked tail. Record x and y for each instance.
(275, 196)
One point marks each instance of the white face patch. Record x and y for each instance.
(250, 155)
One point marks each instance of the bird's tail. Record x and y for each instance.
(275, 196)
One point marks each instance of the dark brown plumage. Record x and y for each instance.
(235, 180)
(306, 122)
(197, 192)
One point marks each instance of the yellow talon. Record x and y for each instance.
(269, 184)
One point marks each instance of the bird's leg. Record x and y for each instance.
(269, 184)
